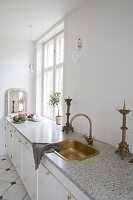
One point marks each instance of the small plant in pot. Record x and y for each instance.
(21, 102)
(54, 101)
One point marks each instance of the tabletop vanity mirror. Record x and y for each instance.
(16, 101)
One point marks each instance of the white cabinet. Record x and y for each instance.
(49, 188)
(17, 158)
(29, 173)
(20, 152)
(46, 183)
(9, 141)
(2, 137)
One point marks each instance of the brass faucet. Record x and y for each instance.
(88, 139)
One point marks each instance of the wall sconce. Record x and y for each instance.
(77, 54)
(30, 65)
(31, 68)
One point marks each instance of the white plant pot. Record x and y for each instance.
(58, 120)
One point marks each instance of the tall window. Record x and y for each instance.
(53, 72)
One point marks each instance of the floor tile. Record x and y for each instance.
(9, 176)
(3, 187)
(12, 168)
(11, 186)
(18, 181)
(4, 164)
(2, 171)
(4, 156)
(15, 192)
(27, 197)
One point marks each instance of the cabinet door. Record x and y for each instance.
(2, 137)
(29, 174)
(17, 159)
(9, 146)
(49, 188)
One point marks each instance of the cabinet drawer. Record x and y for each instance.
(27, 144)
(73, 189)
(50, 188)
(10, 128)
(23, 140)
(17, 157)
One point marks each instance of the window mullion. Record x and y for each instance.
(48, 69)
(54, 72)
(59, 65)
(43, 65)
(54, 62)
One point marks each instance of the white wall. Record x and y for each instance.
(15, 57)
(103, 78)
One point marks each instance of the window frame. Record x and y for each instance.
(51, 68)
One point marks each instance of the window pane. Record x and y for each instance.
(48, 89)
(53, 73)
(59, 80)
(59, 86)
(49, 54)
(60, 49)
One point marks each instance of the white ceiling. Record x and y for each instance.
(17, 15)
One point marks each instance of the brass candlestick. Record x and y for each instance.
(68, 126)
(123, 147)
(13, 102)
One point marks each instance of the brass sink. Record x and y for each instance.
(74, 150)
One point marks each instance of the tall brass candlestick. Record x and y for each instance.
(68, 126)
(123, 147)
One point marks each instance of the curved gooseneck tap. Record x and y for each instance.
(88, 139)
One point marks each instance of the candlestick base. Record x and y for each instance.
(67, 128)
(131, 161)
(123, 149)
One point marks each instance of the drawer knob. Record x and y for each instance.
(69, 197)
(47, 173)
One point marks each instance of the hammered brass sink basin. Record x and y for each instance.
(74, 150)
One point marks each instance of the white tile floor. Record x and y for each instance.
(11, 187)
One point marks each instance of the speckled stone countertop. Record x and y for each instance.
(103, 177)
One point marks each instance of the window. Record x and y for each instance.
(53, 72)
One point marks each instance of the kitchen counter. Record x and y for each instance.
(102, 177)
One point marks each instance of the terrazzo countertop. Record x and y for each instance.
(102, 177)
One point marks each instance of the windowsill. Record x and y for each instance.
(45, 117)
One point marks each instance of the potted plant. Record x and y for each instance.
(21, 101)
(54, 101)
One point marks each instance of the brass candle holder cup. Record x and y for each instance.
(123, 147)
